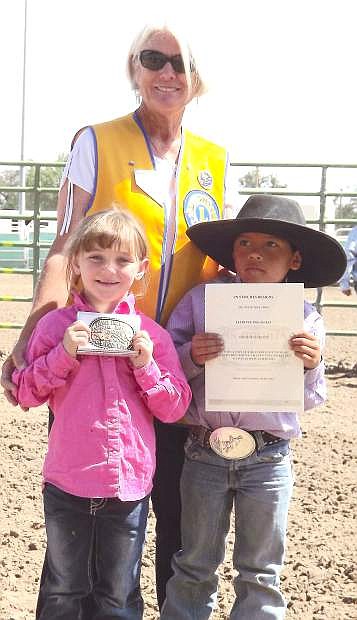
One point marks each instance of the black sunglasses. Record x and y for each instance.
(155, 61)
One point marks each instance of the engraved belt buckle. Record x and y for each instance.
(232, 443)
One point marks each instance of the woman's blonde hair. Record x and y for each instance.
(113, 227)
(196, 84)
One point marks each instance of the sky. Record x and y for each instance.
(282, 74)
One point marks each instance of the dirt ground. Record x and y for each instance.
(320, 574)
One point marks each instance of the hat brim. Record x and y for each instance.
(323, 258)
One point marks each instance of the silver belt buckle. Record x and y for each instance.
(232, 443)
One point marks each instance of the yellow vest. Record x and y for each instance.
(122, 149)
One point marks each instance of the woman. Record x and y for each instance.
(169, 179)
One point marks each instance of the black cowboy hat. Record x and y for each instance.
(323, 258)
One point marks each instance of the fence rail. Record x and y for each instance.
(36, 216)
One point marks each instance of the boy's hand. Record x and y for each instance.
(76, 335)
(205, 347)
(307, 348)
(143, 344)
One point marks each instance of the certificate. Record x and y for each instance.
(257, 371)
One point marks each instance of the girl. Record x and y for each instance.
(101, 455)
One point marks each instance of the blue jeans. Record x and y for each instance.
(86, 537)
(260, 488)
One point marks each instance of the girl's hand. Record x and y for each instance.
(205, 347)
(143, 344)
(307, 348)
(76, 335)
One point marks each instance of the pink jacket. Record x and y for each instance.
(102, 442)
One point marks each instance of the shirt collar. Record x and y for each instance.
(125, 306)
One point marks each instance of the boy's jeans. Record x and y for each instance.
(260, 487)
(82, 533)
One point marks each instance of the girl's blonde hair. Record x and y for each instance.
(112, 227)
(196, 83)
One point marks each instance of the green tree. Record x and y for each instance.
(49, 177)
(345, 210)
(254, 178)
(9, 178)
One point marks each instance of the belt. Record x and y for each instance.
(261, 438)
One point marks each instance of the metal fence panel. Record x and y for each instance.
(26, 255)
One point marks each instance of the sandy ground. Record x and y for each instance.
(320, 575)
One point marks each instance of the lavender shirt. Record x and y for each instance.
(188, 319)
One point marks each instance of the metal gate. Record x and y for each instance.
(38, 245)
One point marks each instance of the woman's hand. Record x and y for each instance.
(206, 347)
(144, 346)
(16, 359)
(307, 348)
(76, 335)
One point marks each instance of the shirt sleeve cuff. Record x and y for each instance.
(147, 376)
(314, 374)
(190, 369)
(61, 363)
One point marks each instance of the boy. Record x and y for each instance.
(268, 242)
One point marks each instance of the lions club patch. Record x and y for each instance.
(198, 206)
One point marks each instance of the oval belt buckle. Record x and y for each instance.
(232, 443)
